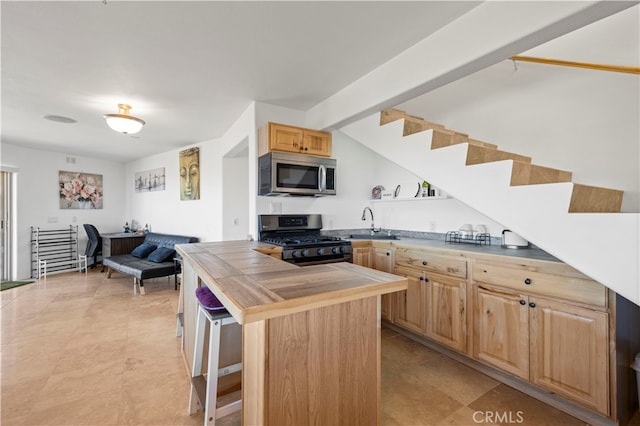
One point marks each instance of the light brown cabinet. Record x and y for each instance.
(570, 352)
(362, 256)
(411, 304)
(431, 262)
(540, 321)
(435, 304)
(285, 138)
(446, 307)
(501, 330)
(383, 261)
(558, 346)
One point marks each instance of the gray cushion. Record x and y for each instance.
(161, 254)
(143, 250)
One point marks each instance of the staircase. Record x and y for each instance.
(579, 224)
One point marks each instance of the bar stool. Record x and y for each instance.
(204, 390)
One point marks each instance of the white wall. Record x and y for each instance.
(359, 170)
(420, 214)
(228, 188)
(235, 219)
(583, 121)
(203, 218)
(38, 201)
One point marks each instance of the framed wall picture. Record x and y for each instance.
(79, 190)
(150, 180)
(190, 174)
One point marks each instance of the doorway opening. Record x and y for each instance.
(7, 224)
(235, 193)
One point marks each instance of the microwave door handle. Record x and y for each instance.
(322, 178)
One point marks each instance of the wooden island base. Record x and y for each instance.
(318, 367)
(310, 335)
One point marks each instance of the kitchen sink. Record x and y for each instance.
(373, 237)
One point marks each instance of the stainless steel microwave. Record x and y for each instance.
(296, 174)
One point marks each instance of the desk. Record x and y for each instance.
(310, 336)
(120, 243)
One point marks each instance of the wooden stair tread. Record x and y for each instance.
(481, 143)
(532, 174)
(593, 199)
(584, 198)
(390, 115)
(414, 125)
(479, 154)
(442, 136)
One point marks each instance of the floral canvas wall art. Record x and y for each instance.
(150, 180)
(80, 190)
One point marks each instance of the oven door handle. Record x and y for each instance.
(322, 178)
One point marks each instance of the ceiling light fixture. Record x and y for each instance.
(123, 122)
(59, 119)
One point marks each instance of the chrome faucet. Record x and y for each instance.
(364, 217)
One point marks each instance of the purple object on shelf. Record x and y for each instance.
(208, 300)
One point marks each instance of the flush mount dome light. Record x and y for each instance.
(123, 122)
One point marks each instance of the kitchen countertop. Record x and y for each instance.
(436, 241)
(254, 286)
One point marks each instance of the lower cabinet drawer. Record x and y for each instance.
(540, 283)
(446, 265)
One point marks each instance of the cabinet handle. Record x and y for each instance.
(533, 305)
(388, 254)
(424, 263)
(523, 302)
(421, 278)
(527, 281)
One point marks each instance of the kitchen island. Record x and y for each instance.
(310, 335)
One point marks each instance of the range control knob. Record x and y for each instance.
(320, 251)
(305, 253)
(295, 253)
(337, 250)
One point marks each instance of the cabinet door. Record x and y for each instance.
(285, 138)
(383, 261)
(410, 304)
(316, 143)
(362, 256)
(501, 330)
(446, 311)
(570, 352)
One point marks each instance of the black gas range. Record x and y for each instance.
(300, 239)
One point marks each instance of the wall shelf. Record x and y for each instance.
(388, 200)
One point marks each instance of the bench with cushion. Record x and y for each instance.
(152, 259)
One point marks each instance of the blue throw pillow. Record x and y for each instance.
(143, 250)
(161, 254)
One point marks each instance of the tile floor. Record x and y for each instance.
(82, 350)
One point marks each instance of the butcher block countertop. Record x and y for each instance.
(254, 286)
